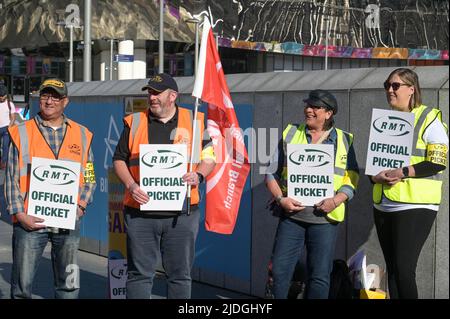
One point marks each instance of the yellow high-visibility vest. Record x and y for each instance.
(294, 134)
(424, 190)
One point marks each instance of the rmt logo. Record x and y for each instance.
(310, 158)
(392, 126)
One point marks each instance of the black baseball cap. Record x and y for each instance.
(54, 84)
(161, 82)
(322, 98)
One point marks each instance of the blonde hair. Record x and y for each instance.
(412, 79)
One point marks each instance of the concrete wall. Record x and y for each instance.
(357, 92)
(276, 99)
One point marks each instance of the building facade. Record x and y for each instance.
(253, 36)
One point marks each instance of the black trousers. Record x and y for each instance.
(402, 235)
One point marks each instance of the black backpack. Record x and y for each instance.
(340, 282)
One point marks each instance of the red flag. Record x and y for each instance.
(225, 184)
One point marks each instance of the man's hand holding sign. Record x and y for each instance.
(29, 222)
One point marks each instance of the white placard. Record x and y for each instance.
(161, 169)
(390, 140)
(53, 195)
(310, 172)
(117, 278)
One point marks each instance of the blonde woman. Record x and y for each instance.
(406, 200)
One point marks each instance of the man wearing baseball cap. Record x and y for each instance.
(54, 85)
(50, 134)
(151, 233)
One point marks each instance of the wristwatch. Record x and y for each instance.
(405, 171)
(83, 209)
(201, 178)
(278, 198)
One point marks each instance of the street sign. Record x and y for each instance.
(123, 58)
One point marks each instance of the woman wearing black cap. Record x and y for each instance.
(313, 226)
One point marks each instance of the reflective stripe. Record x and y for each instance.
(417, 128)
(339, 171)
(191, 116)
(24, 170)
(419, 152)
(291, 133)
(135, 124)
(83, 144)
(24, 144)
(346, 140)
(423, 152)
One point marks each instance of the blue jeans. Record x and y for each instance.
(320, 242)
(28, 247)
(174, 238)
(4, 138)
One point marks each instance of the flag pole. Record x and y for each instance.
(194, 125)
(191, 160)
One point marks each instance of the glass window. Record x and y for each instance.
(363, 63)
(23, 66)
(345, 63)
(336, 63)
(384, 62)
(269, 62)
(38, 67)
(279, 62)
(355, 63)
(318, 63)
(62, 70)
(374, 63)
(307, 63)
(54, 68)
(288, 64)
(298, 63)
(18, 93)
(35, 82)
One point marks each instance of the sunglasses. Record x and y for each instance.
(314, 107)
(395, 85)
